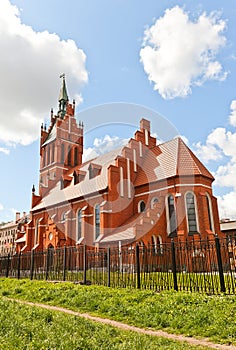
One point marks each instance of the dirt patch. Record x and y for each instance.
(192, 341)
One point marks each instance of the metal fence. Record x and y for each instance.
(202, 266)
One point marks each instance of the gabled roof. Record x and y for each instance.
(173, 159)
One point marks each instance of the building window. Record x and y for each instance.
(171, 216)
(79, 224)
(141, 206)
(97, 221)
(44, 157)
(154, 201)
(49, 154)
(62, 153)
(75, 156)
(191, 213)
(210, 214)
(36, 232)
(69, 156)
(157, 247)
(53, 150)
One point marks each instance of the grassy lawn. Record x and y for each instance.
(185, 313)
(25, 327)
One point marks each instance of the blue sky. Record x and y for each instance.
(172, 59)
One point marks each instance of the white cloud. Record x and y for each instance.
(232, 117)
(4, 150)
(221, 145)
(226, 205)
(103, 145)
(1, 207)
(179, 53)
(30, 65)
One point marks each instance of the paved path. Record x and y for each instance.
(190, 340)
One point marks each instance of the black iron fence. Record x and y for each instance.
(202, 266)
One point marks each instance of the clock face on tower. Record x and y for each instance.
(50, 236)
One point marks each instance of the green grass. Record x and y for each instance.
(25, 327)
(191, 314)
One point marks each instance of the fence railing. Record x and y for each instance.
(202, 266)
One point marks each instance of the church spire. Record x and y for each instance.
(63, 97)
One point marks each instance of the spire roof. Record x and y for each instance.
(63, 92)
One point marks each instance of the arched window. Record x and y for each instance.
(141, 206)
(69, 156)
(171, 216)
(53, 150)
(36, 232)
(210, 214)
(44, 157)
(191, 213)
(79, 224)
(75, 156)
(157, 246)
(49, 154)
(154, 245)
(62, 153)
(154, 201)
(97, 221)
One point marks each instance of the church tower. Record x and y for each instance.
(61, 145)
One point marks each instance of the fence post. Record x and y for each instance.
(8, 265)
(174, 265)
(108, 267)
(47, 264)
(64, 263)
(220, 265)
(85, 264)
(32, 264)
(138, 266)
(18, 265)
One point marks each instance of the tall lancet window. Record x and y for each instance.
(75, 156)
(97, 221)
(36, 232)
(53, 150)
(69, 156)
(210, 214)
(171, 216)
(191, 213)
(62, 153)
(49, 154)
(79, 224)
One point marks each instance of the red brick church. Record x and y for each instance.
(142, 192)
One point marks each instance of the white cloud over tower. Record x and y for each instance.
(30, 65)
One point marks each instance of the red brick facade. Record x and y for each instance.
(142, 192)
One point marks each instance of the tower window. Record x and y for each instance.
(62, 153)
(75, 156)
(69, 156)
(53, 150)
